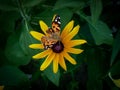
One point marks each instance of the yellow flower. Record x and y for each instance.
(60, 51)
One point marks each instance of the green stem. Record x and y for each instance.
(21, 9)
(23, 14)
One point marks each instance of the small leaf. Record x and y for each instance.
(115, 81)
(96, 9)
(10, 75)
(53, 77)
(116, 47)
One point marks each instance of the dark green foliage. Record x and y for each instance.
(99, 24)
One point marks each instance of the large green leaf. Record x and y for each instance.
(96, 9)
(116, 47)
(10, 75)
(99, 30)
(53, 77)
(14, 52)
(101, 33)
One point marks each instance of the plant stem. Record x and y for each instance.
(23, 14)
(21, 9)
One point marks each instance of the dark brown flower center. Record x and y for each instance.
(58, 47)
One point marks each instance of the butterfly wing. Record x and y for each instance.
(53, 34)
(48, 42)
(56, 23)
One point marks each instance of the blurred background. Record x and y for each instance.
(97, 67)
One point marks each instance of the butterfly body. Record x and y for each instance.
(52, 34)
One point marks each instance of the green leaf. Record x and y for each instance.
(53, 77)
(8, 5)
(26, 39)
(14, 52)
(96, 9)
(10, 75)
(86, 34)
(101, 33)
(116, 48)
(69, 3)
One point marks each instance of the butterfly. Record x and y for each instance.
(52, 34)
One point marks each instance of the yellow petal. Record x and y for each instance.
(47, 62)
(43, 26)
(73, 43)
(1, 87)
(55, 63)
(73, 50)
(67, 28)
(71, 34)
(69, 58)
(36, 35)
(42, 54)
(36, 46)
(62, 62)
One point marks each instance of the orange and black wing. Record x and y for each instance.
(56, 23)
